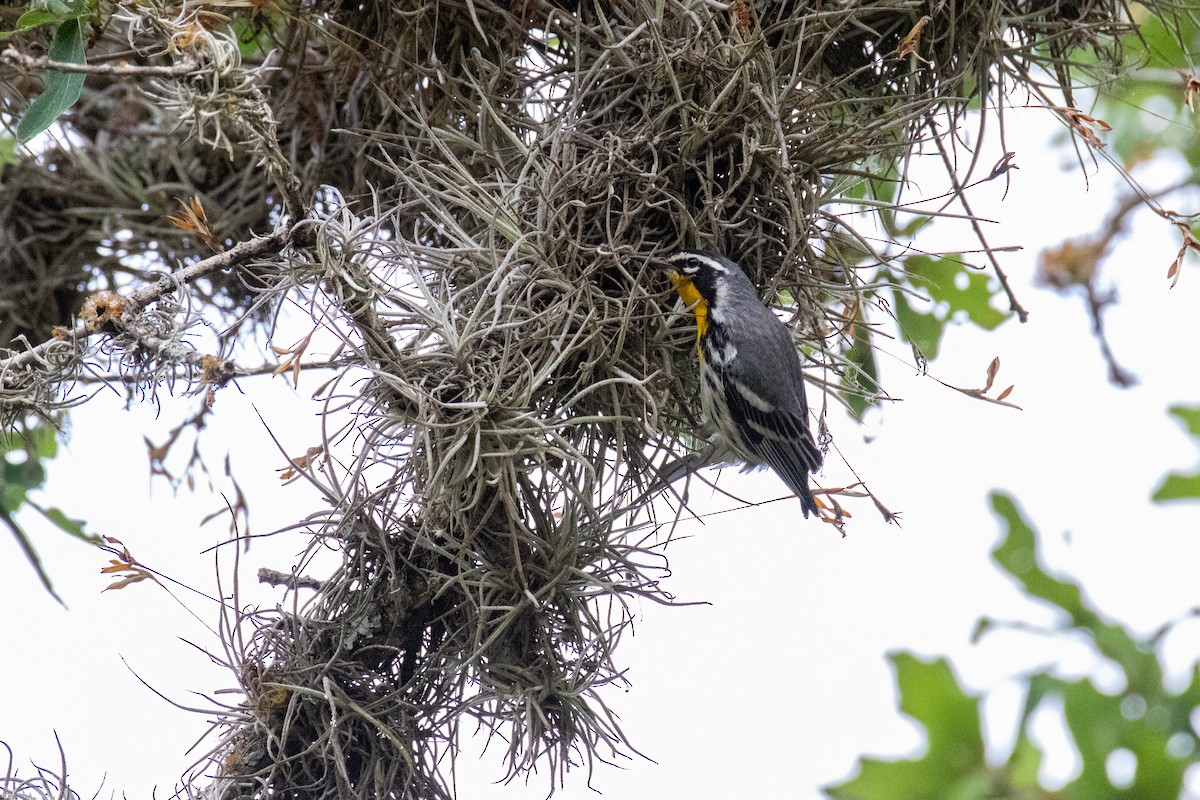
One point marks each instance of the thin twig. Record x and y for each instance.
(1013, 303)
(239, 253)
(16, 58)
(1096, 303)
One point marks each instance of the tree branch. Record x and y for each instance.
(16, 58)
(959, 191)
(239, 253)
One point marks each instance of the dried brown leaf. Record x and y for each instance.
(909, 43)
(992, 369)
(1191, 87)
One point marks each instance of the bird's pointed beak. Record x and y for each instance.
(663, 265)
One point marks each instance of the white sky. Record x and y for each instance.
(779, 682)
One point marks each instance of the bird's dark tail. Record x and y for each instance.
(807, 501)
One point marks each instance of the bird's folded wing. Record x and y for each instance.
(778, 436)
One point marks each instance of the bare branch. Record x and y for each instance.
(14, 57)
(238, 254)
(960, 194)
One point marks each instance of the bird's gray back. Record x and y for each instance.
(768, 362)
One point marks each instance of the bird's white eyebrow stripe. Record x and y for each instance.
(711, 263)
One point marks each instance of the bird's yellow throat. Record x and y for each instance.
(692, 298)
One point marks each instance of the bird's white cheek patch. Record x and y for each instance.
(717, 309)
(753, 399)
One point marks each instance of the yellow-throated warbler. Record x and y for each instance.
(752, 388)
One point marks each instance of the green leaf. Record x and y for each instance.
(889, 780)
(1157, 44)
(22, 472)
(43, 441)
(1095, 723)
(941, 278)
(34, 18)
(955, 291)
(1190, 696)
(1024, 763)
(1177, 486)
(47, 12)
(21, 457)
(1190, 416)
(860, 382)
(1040, 685)
(930, 694)
(255, 35)
(1152, 722)
(62, 88)
(1145, 106)
(66, 9)
(12, 496)
(922, 331)
(1099, 726)
(953, 765)
(70, 525)
(1017, 555)
(17, 479)
(30, 553)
